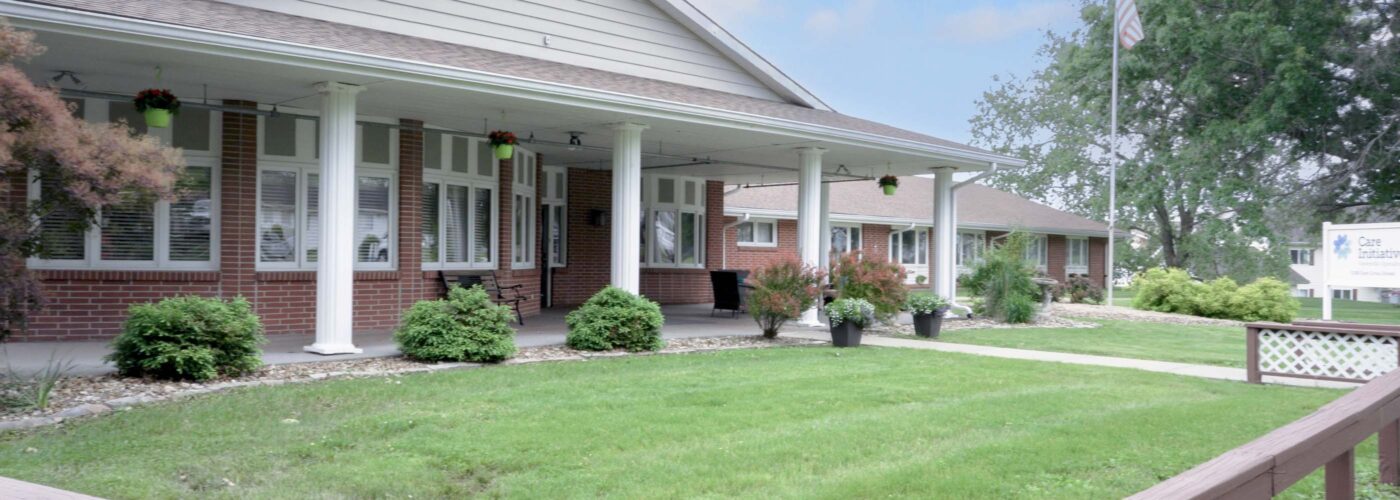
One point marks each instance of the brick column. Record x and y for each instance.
(412, 284)
(238, 181)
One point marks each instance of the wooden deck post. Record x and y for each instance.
(1251, 354)
(1388, 443)
(1340, 476)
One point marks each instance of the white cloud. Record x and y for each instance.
(854, 15)
(730, 13)
(989, 23)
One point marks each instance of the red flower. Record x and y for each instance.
(157, 99)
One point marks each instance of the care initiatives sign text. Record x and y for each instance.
(1362, 255)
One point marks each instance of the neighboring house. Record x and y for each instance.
(899, 227)
(338, 162)
(1305, 274)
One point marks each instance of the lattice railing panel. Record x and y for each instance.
(1323, 354)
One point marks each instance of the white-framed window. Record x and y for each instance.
(909, 247)
(179, 234)
(554, 205)
(1036, 252)
(1076, 255)
(522, 216)
(1300, 256)
(1344, 294)
(459, 227)
(289, 194)
(675, 207)
(971, 244)
(758, 233)
(845, 238)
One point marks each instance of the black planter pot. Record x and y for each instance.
(846, 334)
(928, 325)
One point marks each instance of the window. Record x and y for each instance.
(674, 215)
(1077, 256)
(554, 184)
(845, 239)
(1302, 257)
(970, 247)
(459, 203)
(133, 233)
(1036, 252)
(909, 247)
(1347, 294)
(289, 195)
(756, 233)
(522, 217)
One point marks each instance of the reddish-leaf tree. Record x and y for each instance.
(81, 166)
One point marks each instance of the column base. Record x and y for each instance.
(811, 319)
(332, 349)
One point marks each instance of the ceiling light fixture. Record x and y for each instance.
(575, 140)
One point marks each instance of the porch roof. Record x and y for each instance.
(290, 29)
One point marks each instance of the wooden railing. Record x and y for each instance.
(1326, 439)
(1321, 350)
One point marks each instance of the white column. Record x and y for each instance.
(627, 206)
(825, 236)
(945, 233)
(335, 261)
(1326, 286)
(809, 207)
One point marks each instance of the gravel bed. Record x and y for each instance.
(95, 395)
(1090, 311)
(952, 324)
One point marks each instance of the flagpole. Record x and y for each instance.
(1112, 154)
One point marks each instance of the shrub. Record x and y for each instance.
(189, 338)
(1172, 290)
(1165, 290)
(780, 293)
(1002, 282)
(925, 303)
(466, 326)
(1079, 289)
(1212, 300)
(615, 319)
(1266, 299)
(858, 311)
(876, 280)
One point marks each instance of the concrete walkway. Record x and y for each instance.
(1187, 369)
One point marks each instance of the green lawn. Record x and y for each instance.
(1210, 345)
(790, 422)
(1351, 310)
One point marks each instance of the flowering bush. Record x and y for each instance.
(501, 138)
(874, 279)
(857, 311)
(157, 99)
(1078, 289)
(925, 303)
(780, 293)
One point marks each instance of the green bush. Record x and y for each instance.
(781, 292)
(872, 278)
(1266, 299)
(1214, 299)
(1079, 289)
(1165, 290)
(1174, 291)
(1003, 282)
(466, 326)
(192, 338)
(615, 319)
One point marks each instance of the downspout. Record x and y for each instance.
(953, 301)
(724, 240)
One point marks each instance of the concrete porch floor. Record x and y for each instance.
(547, 328)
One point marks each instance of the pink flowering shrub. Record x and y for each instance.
(780, 293)
(81, 165)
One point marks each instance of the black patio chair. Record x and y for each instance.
(728, 291)
(502, 295)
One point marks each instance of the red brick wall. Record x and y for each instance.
(1097, 258)
(751, 258)
(1057, 251)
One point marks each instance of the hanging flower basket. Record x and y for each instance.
(889, 183)
(503, 143)
(158, 105)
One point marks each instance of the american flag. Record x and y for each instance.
(1129, 26)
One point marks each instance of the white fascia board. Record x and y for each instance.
(129, 30)
(729, 45)
(838, 218)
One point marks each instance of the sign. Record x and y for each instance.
(1359, 255)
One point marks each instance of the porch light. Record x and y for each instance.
(575, 141)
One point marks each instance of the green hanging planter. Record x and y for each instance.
(157, 105)
(505, 151)
(889, 183)
(889, 190)
(157, 118)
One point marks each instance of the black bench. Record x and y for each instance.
(504, 295)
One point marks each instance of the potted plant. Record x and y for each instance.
(889, 183)
(503, 143)
(848, 317)
(158, 105)
(928, 310)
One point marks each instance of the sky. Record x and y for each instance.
(915, 64)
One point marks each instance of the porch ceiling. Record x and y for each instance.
(725, 151)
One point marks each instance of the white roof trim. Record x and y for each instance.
(905, 221)
(729, 45)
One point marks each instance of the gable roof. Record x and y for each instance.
(978, 207)
(267, 25)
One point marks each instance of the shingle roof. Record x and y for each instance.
(978, 205)
(247, 21)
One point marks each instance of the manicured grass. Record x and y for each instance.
(1351, 310)
(793, 422)
(1209, 345)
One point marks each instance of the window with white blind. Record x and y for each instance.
(845, 238)
(676, 206)
(970, 247)
(459, 203)
(758, 233)
(909, 247)
(555, 186)
(522, 215)
(1036, 252)
(138, 232)
(289, 194)
(1076, 256)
